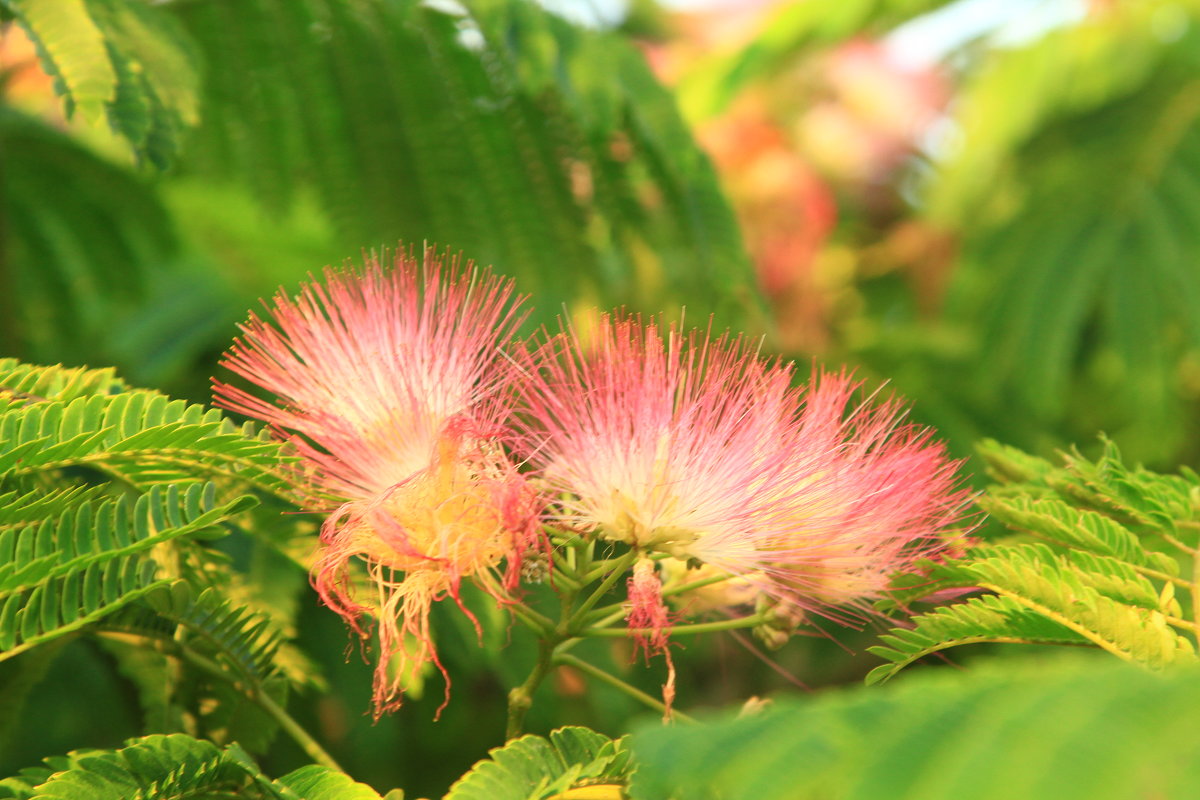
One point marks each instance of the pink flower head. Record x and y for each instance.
(390, 387)
(879, 496)
(700, 449)
(657, 439)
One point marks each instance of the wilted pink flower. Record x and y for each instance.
(702, 450)
(650, 622)
(390, 387)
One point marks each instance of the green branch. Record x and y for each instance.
(680, 630)
(252, 691)
(563, 659)
(616, 568)
(1195, 589)
(520, 698)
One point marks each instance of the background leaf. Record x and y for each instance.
(538, 768)
(546, 150)
(1061, 729)
(73, 50)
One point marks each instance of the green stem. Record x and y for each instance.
(564, 659)
(1177, 622)
(670, 591)
(616, 568)
(680, 630)
(1196, 598)
(604, 567)
(520, 698)
(616, 616)
(565, 577)
(307, 743)
(277, 712)
(1163, 576)
(1185, 548)
(541, 624)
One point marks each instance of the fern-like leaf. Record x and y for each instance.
(353, 100)
(1076, 189)
(67, 572)
(124, 60)
(91, 534)
(537, 768)
(1105, 572)
(85, 239)
(1079, 599)
(988, 618)
(1079, 728)
(24, 383)
(55, 607)
(72, 50)
(141, 437)
(1059, 522)
(321, 783)
(175, 767)
(206, 630)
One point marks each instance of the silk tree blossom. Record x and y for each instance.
(390, 386)
(702, 450)
(657, 439)
(882, 496)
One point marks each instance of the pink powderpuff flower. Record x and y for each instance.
(657, 439)
(702, 450)
(391, 387)
(882, 496)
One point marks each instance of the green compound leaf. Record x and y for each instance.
(91, 533)
(537, 768)
(84, 235)
(1066, 525)
(140, 437)
(123, 59)
(1076, 187)
(20, 382)
(989, 618)
(64, 573)
(1102, 600)
(1113, 543)
(158, 90)
(494, 128)
(245, 647)
(1145, 502)
(60, 605)
(175, 767)
(322, 783)
(1059, 729)
(73, 51)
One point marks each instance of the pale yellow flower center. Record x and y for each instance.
(445, 519)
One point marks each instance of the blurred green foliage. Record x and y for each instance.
(253, 141)
(1052, 729)
(1029, 271)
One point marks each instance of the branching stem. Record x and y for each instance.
(616, 568)
(568, 660)
(520, 698)
(681, 630)
(255, 693)
(1195, 588)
